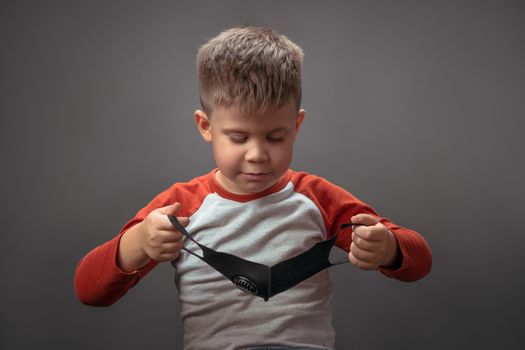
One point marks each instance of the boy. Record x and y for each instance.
(252, 206)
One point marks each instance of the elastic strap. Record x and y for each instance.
(186, 234)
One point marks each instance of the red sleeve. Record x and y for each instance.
(98, 280)
(337, 206)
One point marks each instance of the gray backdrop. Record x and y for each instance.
(416, 107)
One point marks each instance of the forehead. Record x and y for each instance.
(234, 117)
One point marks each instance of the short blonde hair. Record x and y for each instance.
(252, 68)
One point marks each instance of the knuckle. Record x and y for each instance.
(154, 242)
(360, 254)
(356, 239)
(162, 258)
(365, 234)
(155, 256)
(363, 265)
(353, 260)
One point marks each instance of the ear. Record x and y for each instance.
(204, 125)
(299, 120)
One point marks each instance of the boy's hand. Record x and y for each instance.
(373, 245)
(159, 239)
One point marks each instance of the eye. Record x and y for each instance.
(237, 139)
(275, 139)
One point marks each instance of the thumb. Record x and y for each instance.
(171, 209)
(364, 219)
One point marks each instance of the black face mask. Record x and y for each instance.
(262, 280)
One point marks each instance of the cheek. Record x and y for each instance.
(225, 155)
(283, 155)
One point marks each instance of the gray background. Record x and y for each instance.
(416, 107)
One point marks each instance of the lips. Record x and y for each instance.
(256, 175)
(257, 172)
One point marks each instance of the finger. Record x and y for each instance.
(170, 235)
(168, 256)
(160, 216)
(376, 233)
(360, 264)
(171, 209)
(157, 242)
(364, 244)
(176, 223)
(364, 219)
(362, 255)
(170, 247)
(161, 251)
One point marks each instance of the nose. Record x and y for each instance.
(256, 153)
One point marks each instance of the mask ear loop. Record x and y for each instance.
(186, 234)
(342, 227)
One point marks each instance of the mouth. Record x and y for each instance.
(256, 175)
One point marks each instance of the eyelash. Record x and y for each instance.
(275, 139)
(237, 140)
(270, 139)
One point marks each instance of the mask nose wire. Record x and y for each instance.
(186, 234)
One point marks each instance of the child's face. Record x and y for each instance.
(252, 152)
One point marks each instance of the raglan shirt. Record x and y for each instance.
(268, 227)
